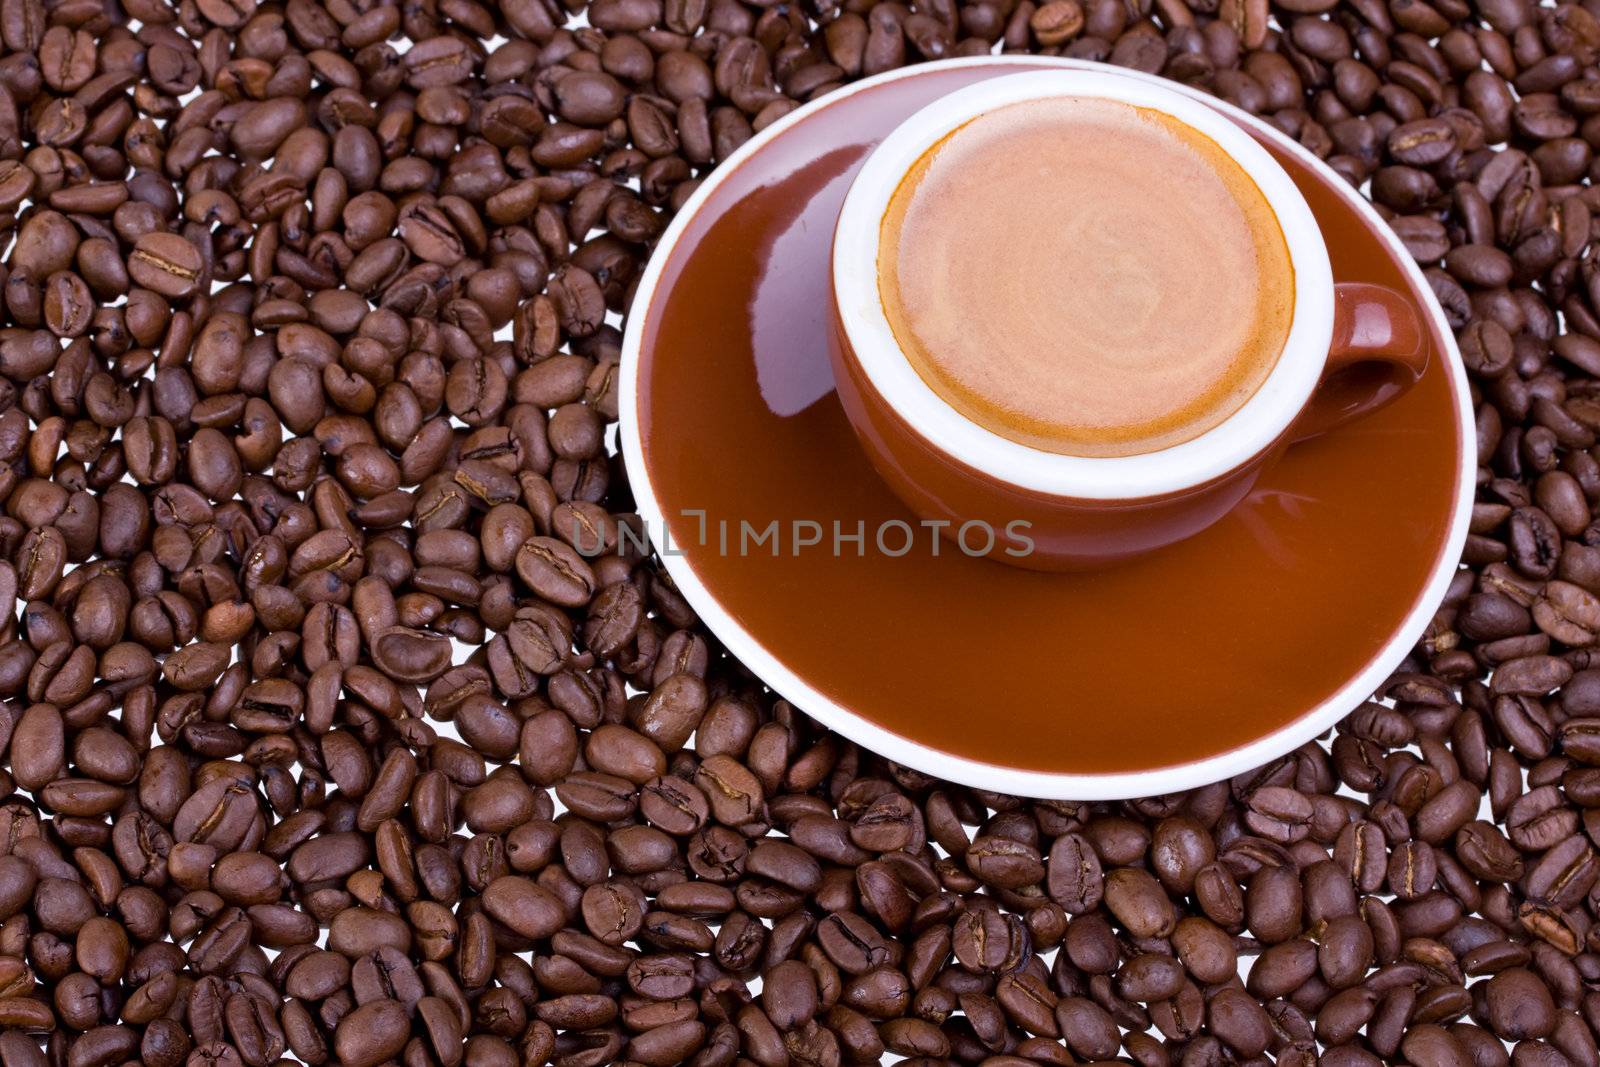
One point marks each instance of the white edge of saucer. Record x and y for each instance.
(976, 773)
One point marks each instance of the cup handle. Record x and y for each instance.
(1378, 351)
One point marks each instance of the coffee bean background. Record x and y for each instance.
(308, 360)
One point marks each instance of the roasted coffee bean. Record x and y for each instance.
(1074, 876)
(1139, 903)
(165, 263)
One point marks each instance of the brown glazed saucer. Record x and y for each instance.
(1187, 666)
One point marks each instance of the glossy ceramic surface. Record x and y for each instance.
(1188, 665)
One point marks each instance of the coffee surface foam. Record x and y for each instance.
(1086, 277)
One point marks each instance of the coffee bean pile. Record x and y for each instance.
(268, 454)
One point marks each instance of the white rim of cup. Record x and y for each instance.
(979, 774)
(1249, 431)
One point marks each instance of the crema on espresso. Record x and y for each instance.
(1086, 277)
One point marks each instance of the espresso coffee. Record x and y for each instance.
(1086, 277)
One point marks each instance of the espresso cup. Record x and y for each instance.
(1348, 348)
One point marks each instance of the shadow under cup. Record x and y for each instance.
(1045, 510)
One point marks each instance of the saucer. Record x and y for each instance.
(1184, 667)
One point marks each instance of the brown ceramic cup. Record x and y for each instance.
(1350, 348)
